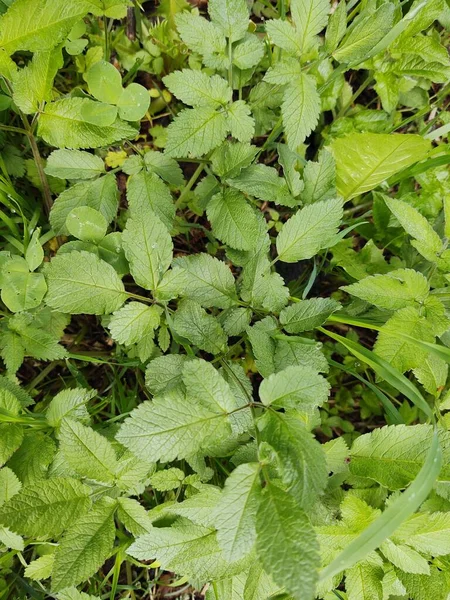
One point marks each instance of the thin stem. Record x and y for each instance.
(106, 30)
(48, 202)
(187, 188)
(356, 95)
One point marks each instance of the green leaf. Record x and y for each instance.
(173, 426)
(32, 26)
(62, 125)
(11, 436)
(133, 103)
(196, 88)
(115, 9)
(426, 532)
(165, 167)
(196, 131)
(79, 282)
(235, 513)
(148, 248)
(134, 516)
(41, 568)
(35, 341)
(310, 17)
(69, 403)
(231, 16)
(300, 109)
(47, 507)
(201, 36)
(396, 513)
(87, 452)
(164, 373)
(207, 280)
(232, 219)
(86, 224)
(364, 160)
(74, 164)
(319, 178)
(231, 157)
(301, 388)
(192, 322)
(21, 290)
(85, 546)
(33, 84)
(336, 27)
(211, 389)
(426, 240)
(105, 82)
(10, 539)
(263, 182)
(302, 461)
(98, 113)
(405, 558)
(364, 36)
(286, 543)
(133, 321)
(34, 254)
(309, 230)
(9, 485)
(248, 52)
(363, 581)
(240, 121)
(146, 192)
(307, 314)
(283, 35)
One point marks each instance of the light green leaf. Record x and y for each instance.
(165, 167)
(33, 84)
(35, 341)
(363, 582)
(133, 102)
(85, 546)
(105, 82)
(47, 507)
(310, 17)
(309, 230)
(232, 219)
(134, 516)
(196, 88)
(146, 192)
(283, 35)
(300, 109)
(248, 52)
(231, 157)
(164, 373)
(21, 290)
(62, 125)
(148, 248)
(9, 485)
(264, 182)
(11, 436)
(405, 558)
(86, 224)
(41, 568)
(235, 513)
(192, 322)
(133, 321)
(319, 178)
(168, 479)
(286, 543)
(364, 160)
(74, 164)
(79, 282)
(69, 403)
(307, 314)
(98, 113)
(201, 35)
(87, 452)
(426, 532)
(34, 254)
(172, 426)
(301, 388)
(196, 131)
(337, 25)
(11, 539)
(241, 123)
(231, 16)
(210, 389)
(115, 9)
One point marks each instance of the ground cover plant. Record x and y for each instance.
(224, 319)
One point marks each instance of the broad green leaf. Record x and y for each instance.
(148, 248)
(41, 568)
(196, 88)
(165, 167)
(300, 109)
(62, 125)
(201, 35)
(11, 351)
(395, 290)
(423, 587)
(263, 182)
(79, 282)
(9, 485)
(74, 164)
(85, 546)
(133, 102)
(30, 462)
(364, 160)
(337, 25)
(211, 389)
(231, 157)
(134, 516)
(286, 543)
(98, 113)
(105, 82)
(307, 314)
(235, 514)
(192, 322)
(133, 321)
(310, 17)
(47, 507)
(164, 373)
(309, 230)
(405, 558)
(301, 388)
(196, 131)
(319, 178)
(145, 191)
(426, 240)
(284, 35)
(232, 219)
(248, 52)
(199, 507)
(33, 84)
(86, 224)
(363, 581)
(38, 26)
(35, 341)
(168, 479)
(172, 426)
(231, 16)
(87, 452)
(394, 454)
(426, 532)
(11, 436)
(207, 280)
(240, 121)
(22, 290)
(364, 36)
(302, 461)
(69, 403)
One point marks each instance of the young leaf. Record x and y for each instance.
(69, 403)
(133, 102)
(263, 182)
(198, 89)
(105, 82)
(310, 17)
(93, 289)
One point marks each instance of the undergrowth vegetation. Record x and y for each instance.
(224, 318)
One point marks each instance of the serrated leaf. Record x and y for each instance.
(9, 485)
(165, 167)
(115, 9)
(47, 507)
(172, 426)
(196, 131)
(283, 35)
(426, 532)
(264, 182)
(240, 121)
(363, 582)
(69, 403)
(307, 314)
(146, 192)
(85, 546)
(87, 452)
(248, 52)
(148, 247)
(231, 157)
(319, 178)
(286, 543)
(164, 373)
(33, 84)
(79, 282)
(10, 539)
(22, 290)
(211, 389)
(134, 516)
(35, 341)
(74, 164)
(310, 17)
(62, 125)
(232, 219)
(300, 109)
(41, 568)
(364, 160)
(201, 35)
(192, 322)
(231, 16)
(196, 88)
(309, 230)
(301, 388)
(133, 321)
(405, 558)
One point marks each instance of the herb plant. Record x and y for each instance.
(224, 300)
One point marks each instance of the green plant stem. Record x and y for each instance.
(48, 202)
(187, 188)
(365, 84)
(105, 28)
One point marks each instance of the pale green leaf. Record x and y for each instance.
(240, 121)
(86, 224)
(263, 182)
(9, 485)
(74, 164)
(196, 131)
(319, 178)
(134, 516)
(133, 321)
(192, 322)
(310, 17)
(196, 88)
(33, 84)
(210, 389)
(301, 388)
(165, 167)
(115, 9)
(231, 16)
(363, 582)
(69, 403)
(405, 558)
(300, 109)
(104, 81)
(307, 314)
(146, 192)
(133, 102)
(10, 539)
(426, 532)
(41, 568)
(283, 35)
(164, 373)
